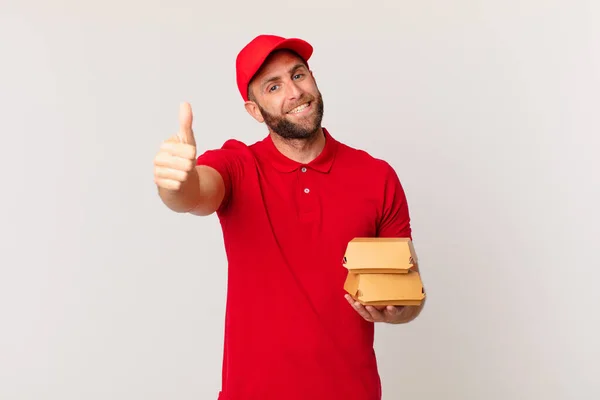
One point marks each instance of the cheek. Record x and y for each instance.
(273, 106)
(310, 87)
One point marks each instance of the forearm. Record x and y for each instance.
(409, 313)
(200, 194)
(185, 198)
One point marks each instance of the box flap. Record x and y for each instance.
(380, 255)
(351, 284)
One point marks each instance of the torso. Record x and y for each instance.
(290, 334)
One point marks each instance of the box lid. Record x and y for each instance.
(380, 255)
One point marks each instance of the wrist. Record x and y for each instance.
(186, 197)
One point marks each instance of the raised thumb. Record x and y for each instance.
(186, 134)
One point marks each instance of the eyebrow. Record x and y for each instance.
(275, 78)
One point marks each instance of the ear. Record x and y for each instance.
(252, 109)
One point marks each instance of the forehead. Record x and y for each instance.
(278, 63)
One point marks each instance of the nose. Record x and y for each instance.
(293, 90)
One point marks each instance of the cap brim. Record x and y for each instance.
(303, 48)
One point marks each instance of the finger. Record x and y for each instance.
(170, 174)
(358, 307)
(375, 314)
(179, 149)
(349, 299)
(185, 124)
(362, 311)
(168, 184)
(167, 160)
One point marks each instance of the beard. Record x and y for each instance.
(290, 130)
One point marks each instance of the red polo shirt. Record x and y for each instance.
(289, 332)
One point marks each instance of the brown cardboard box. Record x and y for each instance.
(385, 289)
(381, 272)
(380, 255)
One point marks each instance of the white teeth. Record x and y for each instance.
(298, 109)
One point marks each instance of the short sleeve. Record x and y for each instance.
(395, 216)
(228, 162)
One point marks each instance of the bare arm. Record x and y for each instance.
(182, 185)
(201, 194)
(407, 314)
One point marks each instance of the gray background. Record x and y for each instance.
(488, 110)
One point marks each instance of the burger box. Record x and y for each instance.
(380, 255)
(381, 272)
(385, 289)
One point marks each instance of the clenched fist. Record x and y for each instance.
(175, 162)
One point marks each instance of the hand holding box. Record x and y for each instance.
(381, 272)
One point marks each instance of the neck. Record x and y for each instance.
(300, 150)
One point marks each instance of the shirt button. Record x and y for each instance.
(303, 169)
(306, 190)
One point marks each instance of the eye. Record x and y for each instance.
(298, 76)
(272, 88)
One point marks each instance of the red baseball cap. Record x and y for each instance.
(251, 57)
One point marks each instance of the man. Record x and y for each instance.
(288, 206)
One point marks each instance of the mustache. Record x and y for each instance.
(307, 98)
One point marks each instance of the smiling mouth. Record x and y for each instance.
(300, 108)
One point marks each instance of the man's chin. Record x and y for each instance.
(292, 128)
(298, 134)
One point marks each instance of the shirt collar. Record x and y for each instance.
(322, 163)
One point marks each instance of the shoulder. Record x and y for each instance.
(355, 157)
(243, 147)
(231, 149)
(235, 145)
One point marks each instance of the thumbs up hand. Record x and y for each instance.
(175, 162)
(186, 134)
